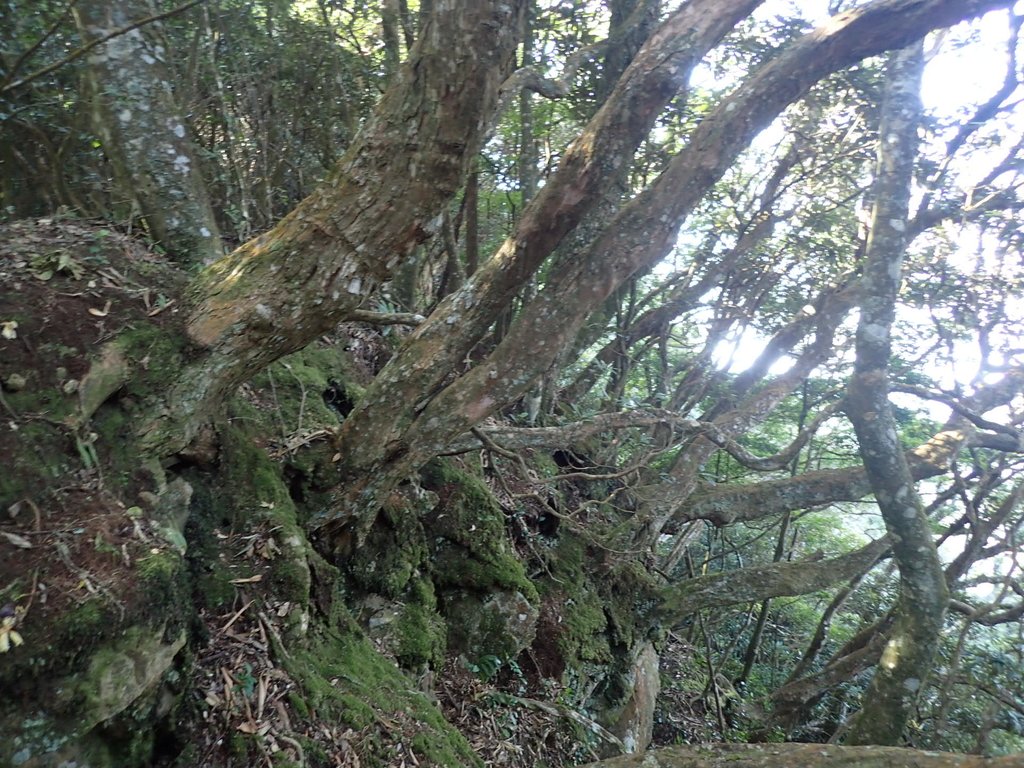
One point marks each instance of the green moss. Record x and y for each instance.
(49, 401)
(344, 679)
(211, 576)
(584, 637)
(296, 385)
(248, 475)
(39, 459)
(83, 620)
(155, 355)
(165, 585)
(298, 703)
(116, 446)
(471, 548)
(119, 672)
(311, 475)
(629, 597)
(420, 631)
(394, 553)
(421, 637)
(601, 604)
(57, 647)
(453, 568)
(544, 464)
(113, 686)
(251, 491)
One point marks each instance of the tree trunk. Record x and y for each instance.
(923, 596)
(410, 413)
(143, 131)
(282, 289)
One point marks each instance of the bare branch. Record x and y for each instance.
(385, 318)
(783, 579)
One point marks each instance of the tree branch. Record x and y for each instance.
(783, 579)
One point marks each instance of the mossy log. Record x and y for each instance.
(804, 755)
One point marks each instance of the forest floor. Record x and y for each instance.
(66, 535)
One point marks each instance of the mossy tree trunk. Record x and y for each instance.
(286, 287)
(143, 131)
(923, 595)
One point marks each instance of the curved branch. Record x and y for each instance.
(783, 579)
(385, 318)
(723, 505)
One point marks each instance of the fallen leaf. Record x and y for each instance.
(248, 579)
(101, 312)
(248, 727)
(16, 540)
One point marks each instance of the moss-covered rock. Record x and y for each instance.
(501, 624)
(94, 664)
(469, 540)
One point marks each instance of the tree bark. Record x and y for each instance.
(409, 415)
(756, 583)
(376, 434)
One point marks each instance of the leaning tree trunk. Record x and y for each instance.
(923, 595)
(284, 288)
(142, 129)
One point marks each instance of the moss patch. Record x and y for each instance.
(344, 679)
(251, 492)
(467, 528)
(395, 552)
(420, 633)
(294, 388)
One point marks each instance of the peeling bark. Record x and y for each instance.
(376, 432)
(409, 414)
(282, 289)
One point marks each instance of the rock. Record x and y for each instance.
(171, 512)
(119, 674)
(502, 625)
(15, 382)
